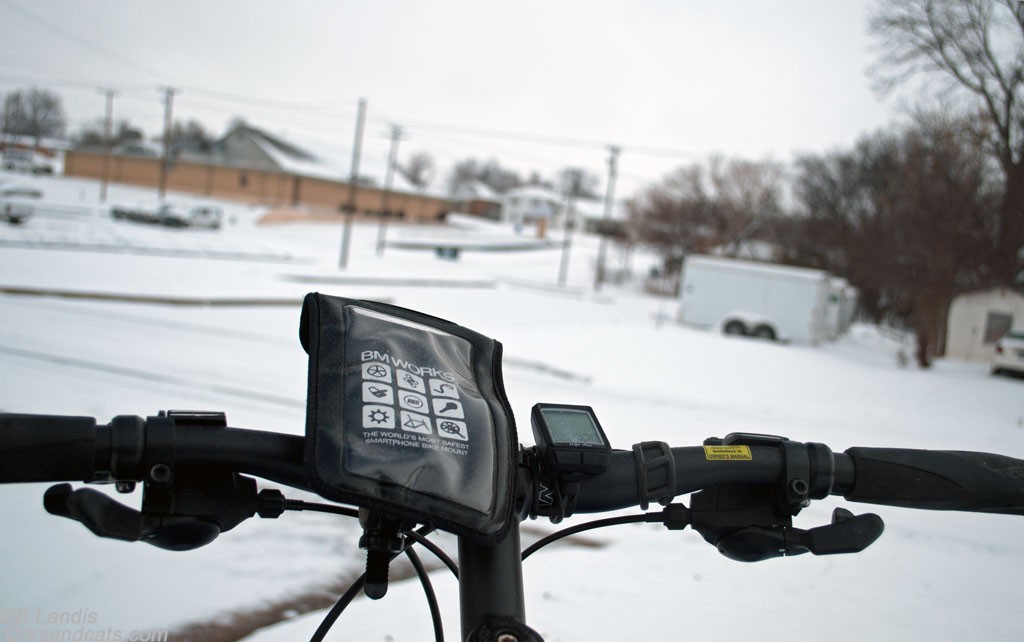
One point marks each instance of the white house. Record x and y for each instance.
(531, 203)
(978, 319)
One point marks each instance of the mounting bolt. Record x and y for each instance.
(798, 489)
(160, 473)
(507, 637)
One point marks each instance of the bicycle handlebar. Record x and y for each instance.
(35, 448)
(38, 448)
(938, 480)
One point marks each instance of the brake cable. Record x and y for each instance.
(675, 517)
(339, 607)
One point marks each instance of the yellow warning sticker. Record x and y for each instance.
(727, 453)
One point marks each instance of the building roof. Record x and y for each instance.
(533, 191)
(314, 158)
(476, 191)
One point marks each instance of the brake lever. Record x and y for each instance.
(848, 533)
(176, 522)
(107, 517)
(102, 515)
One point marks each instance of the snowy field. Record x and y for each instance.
(931, 576)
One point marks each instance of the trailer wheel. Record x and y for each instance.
(736, 328)
(764, 332)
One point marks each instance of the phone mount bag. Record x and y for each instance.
(406, 414)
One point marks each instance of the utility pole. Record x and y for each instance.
(350, 206)
(574, 188)
(609, 200)
(396, 136)
(107, 142)
(166, 161)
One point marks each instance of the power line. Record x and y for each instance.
(517, 136)
(548, 139)
(327, 113)
(80, 41)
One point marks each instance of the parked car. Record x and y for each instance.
(140, 213)
(170, 215)
(23, 160)
(1009, 353)
(206, 216)
(17, 204)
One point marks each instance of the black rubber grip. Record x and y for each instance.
(46, 448)
(938, 480)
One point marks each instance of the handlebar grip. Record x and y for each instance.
(938, 480)
(46, 448)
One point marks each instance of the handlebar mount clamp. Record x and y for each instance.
(655, 473)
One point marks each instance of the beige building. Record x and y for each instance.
(250, 166)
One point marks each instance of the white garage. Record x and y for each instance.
(978, 319)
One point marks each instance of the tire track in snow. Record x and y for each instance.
(154, 377)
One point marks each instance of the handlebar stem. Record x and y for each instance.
(490, 581)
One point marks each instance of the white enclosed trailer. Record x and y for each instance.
(840, 308)
(765, 300)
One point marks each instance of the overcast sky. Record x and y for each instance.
(537, 85)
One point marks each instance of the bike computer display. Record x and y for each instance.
(569, 439)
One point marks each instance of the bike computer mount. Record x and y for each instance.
(570, 447)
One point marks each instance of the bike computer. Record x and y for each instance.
(569, 439)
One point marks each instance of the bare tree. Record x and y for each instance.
(907, 216)
(463, 173)
(37, 113)
(14, 117)
(700, 207)
(979, 46)
(419, 169)
(943, 224)
(748, 195)
(840, 222)
(499, 178)
(190, 136)
(490, 173)
(92, 134)
(669, 217)
(578, 182)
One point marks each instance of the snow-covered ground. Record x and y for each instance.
(935, 576)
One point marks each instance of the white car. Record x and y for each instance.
(17, 204)
(206, 216)
(1009, 354)
(23, 160)
(203, 216)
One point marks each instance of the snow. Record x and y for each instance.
(937, 576)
